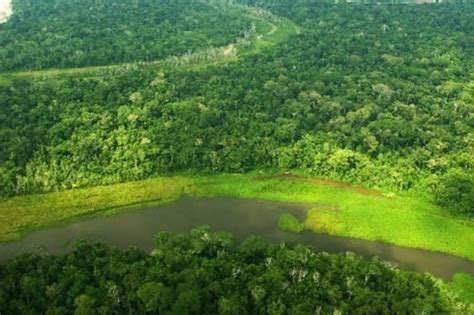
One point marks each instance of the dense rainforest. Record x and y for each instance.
(205, 273)
(57, 33)
(377, 95)
(363, 110)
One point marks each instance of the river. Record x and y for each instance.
(239, 216)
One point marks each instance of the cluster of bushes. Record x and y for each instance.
(455, 192)
(204, 273)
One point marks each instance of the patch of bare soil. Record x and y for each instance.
(327, 182)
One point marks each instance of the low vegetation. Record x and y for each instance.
(21, 214)
(202, 273)
(287, 222)
(399, 220)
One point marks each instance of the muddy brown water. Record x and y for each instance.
(241, 217)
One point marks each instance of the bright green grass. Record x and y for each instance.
(24, 213)
(287, 222)
(404, 221)
(399, 220)
(463, 286)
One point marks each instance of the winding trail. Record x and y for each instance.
(255, 40)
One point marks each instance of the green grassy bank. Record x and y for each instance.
(398, 220)
(25, 213)
(344, 211)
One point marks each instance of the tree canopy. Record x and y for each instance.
(377, 95)
(60, 33)
(456, 193)
(205, 273)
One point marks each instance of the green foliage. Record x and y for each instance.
(61, 33)
(400, 220)
(202, 273)
(463, 285)
(21, 214)
(345, 98)
(287, 222)
(455, 192)
(365, 214)
(378, 95)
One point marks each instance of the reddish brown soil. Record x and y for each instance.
(327, 182)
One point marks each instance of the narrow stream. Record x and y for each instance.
(238, 216)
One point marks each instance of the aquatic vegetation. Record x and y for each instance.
(400, 220)
(287, 222)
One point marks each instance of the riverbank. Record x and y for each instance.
(342, 210)
(398, 220)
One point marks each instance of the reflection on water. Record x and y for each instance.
(238, 216)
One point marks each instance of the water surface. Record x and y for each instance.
(240, 217)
